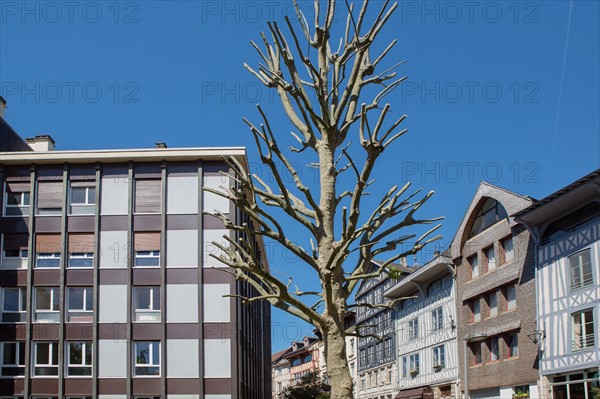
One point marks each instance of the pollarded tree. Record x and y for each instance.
(323, 84)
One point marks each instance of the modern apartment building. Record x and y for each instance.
(566, 229)
(107, 286)
(377, 350)
(426, 325)
(496, 297)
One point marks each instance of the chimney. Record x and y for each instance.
(41, 143)
(160, 144)
(436, 254)
(2, 107)
(403, 261)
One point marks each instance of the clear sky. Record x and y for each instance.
(502, 91)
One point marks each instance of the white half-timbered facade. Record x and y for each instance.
(426, 331)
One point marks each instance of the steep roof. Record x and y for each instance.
(10, 141)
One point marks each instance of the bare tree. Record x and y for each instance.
(322, 91)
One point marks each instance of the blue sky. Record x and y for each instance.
(506, 92)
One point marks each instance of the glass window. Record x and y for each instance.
(474, 266)
(45, 356)
(379, 350)
(14, 305)
(414, 365)
(147, 258)
(490, 255)
(371, 352)
(437, 316)
(81, 259)
(581, 269)
(511, 297)
(405, 367)
(48, 260)
(493, 303)
(146, 302)
(494, 349)
(83, 199)
(509, 253)
(489, 214)
(413, 329)
(13, 359)
(512, 342)
(583, 329)
(476, 310)
(476, 350)
(147, 358)
(47, 304)
(388, 347)
(17, 199)
(80, 304)
(79, 358)
(439, 358)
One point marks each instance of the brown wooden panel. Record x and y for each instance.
(15, 225)
(147, 241)
(79, 331)
(115, 331)
(182, 222)
(82, 172)
(112, 386)
(16, 173)
(12, 386)
(216, 276)
(81, 242)
(46, 277)
(183, 386)
(182, 331)
(146, 222)
(47, 243)
(182, 276)
(217, 386)
(113, 223)
(13, 278)
(147, 196)
(13, 332)
(146, 276)
(80, 277)
(45, 332)
(50, 194)
(147, 331)
(48, 224)
(146, 386)
(49, 173)
(113, 276)
(210, 222)
(78, 386)
(18, 187)
(80, 224)
(16, 241)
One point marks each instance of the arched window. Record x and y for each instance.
(490, 213)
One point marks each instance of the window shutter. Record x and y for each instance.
(147, 241)
(83, 184)
(15, 187)
(16, 242)
(81, 243)
(48, 243)
(147, 196)
(50, 195)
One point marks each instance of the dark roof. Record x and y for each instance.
(559, 193)
(9, 139)
(275, 357)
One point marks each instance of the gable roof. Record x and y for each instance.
(511, 201)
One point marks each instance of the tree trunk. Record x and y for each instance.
(337, 365)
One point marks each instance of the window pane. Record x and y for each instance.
(75, 298)
(142, 300)
(78, 195)
(89, 299)
(42, 353)
(11, 300)
(43, 298)
(55, 354)
(25, 198)
(91, 195)
(155, 298)
(142, 353)
(75, 349)
(9, 354)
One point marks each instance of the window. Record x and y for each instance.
(81, 250)
(476, 307)
(363, 357)
(522, 390)
(494, 349)
(45, 358)
(379, 350)
(146, 304)
(493, 304)
(581, 269)
(474, 266)
(13, 359)
(147, 358)
(371, 352)
(387, 319)
(17, 199)
(15, 253)
(413, 329)
(405, 367)
(476, 350)
(489, 214)
(511, 297)
(445, 391)
(512, 343)
(148, 196)
(437, 319)
(490, 255)
(583, 329)
(507, 247)
(79, 358)
(414, 365)
(439, 358)
(83, 198)
(50, 198)
(439, 285)
(147, 249)
(80, 304)
(388, 347)
(14, 305)
(47, 304)
(48, 250)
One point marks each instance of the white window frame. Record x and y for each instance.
(81, 255)
(405, 369)
(83, 312)
(147, 255)
(155, 345)
(23, 206)
(52, 345)
(415, 366)
(83, 365)
(138, 313)
(47, 255)
(87, 196)
(437, 319)
(439, 357)
(23, 254)
(587, 339)
(22, 305)
(56, 312)
(413, 329)
(581, 276)
(17, 366)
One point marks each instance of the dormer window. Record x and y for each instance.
(489, 214)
